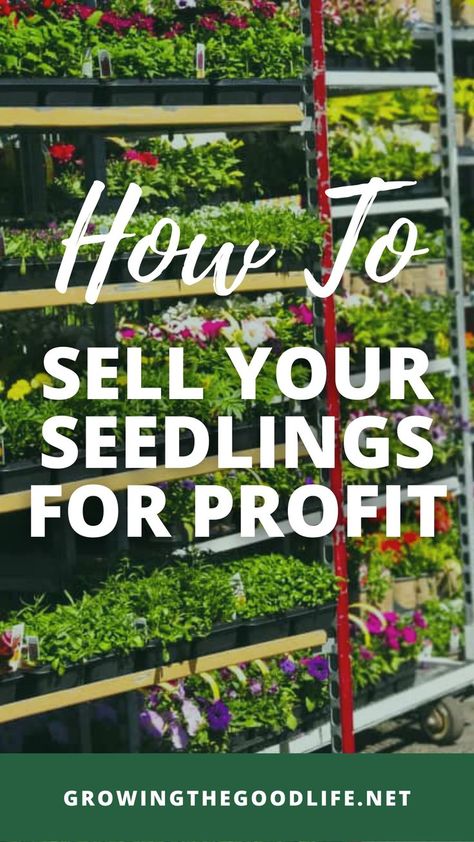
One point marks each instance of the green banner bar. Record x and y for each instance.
(47, 798)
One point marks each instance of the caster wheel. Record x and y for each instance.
(443, 722)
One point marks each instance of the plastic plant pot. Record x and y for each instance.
(101, 667)
(125, 663)
(309, 618)
(150, 656)
(236, 92)
(38, 274)
(178, 651)
(222, 637)
(21, 475)
(72, 92)
(9, 687)
(282, 91)
(261, 629)
(16, 92)
(44, 679)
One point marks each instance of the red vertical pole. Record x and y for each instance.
(332, 395)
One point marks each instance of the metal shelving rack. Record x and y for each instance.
(440, 677)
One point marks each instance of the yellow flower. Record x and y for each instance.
(19, 390)
(40, 380)
(147, 360)
(122, 380)
(2, 386)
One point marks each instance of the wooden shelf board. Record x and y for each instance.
(20, 500)
(147, 678)
(149, 116)
(12, 300)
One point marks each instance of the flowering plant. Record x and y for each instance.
(392, 642)
(205, 713)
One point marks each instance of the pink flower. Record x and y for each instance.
(213, 328)
(147, 159)
(409, 634)
(419, 620)
(373, 624)
(302, 314)
(391, 616)
(127, 333)
(366, 654)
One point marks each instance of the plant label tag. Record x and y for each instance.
(105, 64)
(200, 61)
(32, 648)
(87, 65)
(238, 589)
(427, 650)
(2, 450)
(17, 633)
(141, 624)
(454, 641)
(363, 573)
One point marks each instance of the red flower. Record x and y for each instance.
(237, 22)
(391, 545)
(208, 22)
(410, 537)
(176, 29)
(443, 522)
(266, 8)
(381, 514)
(62, 152)
(147, 159)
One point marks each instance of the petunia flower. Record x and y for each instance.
(317, 667)
(218, 716)
(152, 723)
(302, 313)
(192, 716)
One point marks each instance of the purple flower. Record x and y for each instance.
(255, 687)
(188, 484)
(308, 481)
(179, 737)
(192, 715)
(273, 689)
(438, 435)
(421, 410)
(366, 654)
(317, 667)
(152, 723)
(218, 716)
(288, 666)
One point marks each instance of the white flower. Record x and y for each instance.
(185, 4)
(256, 331)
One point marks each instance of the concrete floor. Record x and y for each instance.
(404, 736)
